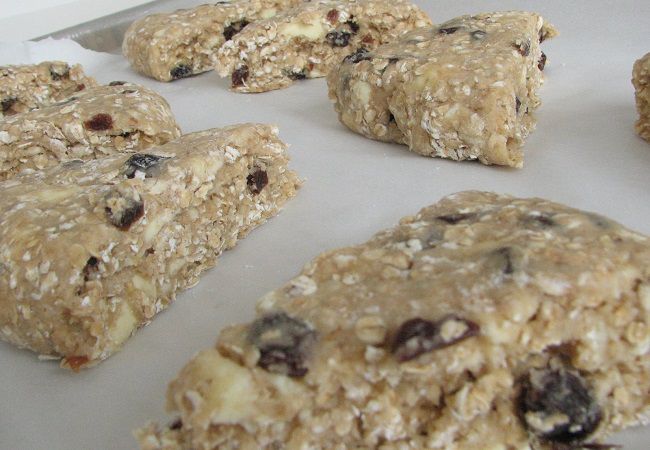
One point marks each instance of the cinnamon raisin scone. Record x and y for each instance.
(91, 251)
(94, 123)
(308, 40)
(641, 82)
(483, 322)
(30, 86)
(169, 46)
(465, 89)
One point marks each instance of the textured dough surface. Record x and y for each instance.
(501, 293)
(90, 251)
(641, 82)
(31, 86)
(168, 46)
(307, 41)
(465, 89)
(94, 123)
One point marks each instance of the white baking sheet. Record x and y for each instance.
(584, 153)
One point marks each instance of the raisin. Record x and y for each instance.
(557, 405)
(117, 83)
(523, 47)
(239, 76)
(7, 103)
(455, 218)
(478, 35)
(503, 259)
(543, 220)
(180, 71)
(332, 16)
(176, 424)
(284, 343)
(338, 38)
(143, 162)
(542, 62)
(392, 60)
(354, 27)
(517, 104)
(391, 118)
(297, 74)
(99, 122)
(257, 181)
(448, 30)
(123, 207)
(417, 336)
(367, 39)
(234, 28)
(81, 87)
(360, 55)
(75, 362)
(90, 268)
(56, 75)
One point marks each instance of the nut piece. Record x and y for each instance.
(284, 343)
(371, 330)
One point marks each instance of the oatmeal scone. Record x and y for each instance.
(465, 89)
(641, 82)
(97, 122)
(30, 86)
(91, 251)
(484, 322)
(307, 41)
(169, 46)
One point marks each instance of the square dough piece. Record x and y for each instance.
(31, 86)
(461, 90)
(482, 322)
(641, 82)
(170, 46)
(307, 41)
(89, 252)
(96, 122)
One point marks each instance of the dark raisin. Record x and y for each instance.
(557, 405)
(117, 83)
(81, 87)
(338, 38)
(354, 27)
(478, 35)
(180, 71)
(297, 74)
(517, 104)
(523, 47)
(455, 218)
(332, 16)
(56, 75)
(392, 60)
(542, 62)
(543, 220)
(257, 181)
(360, 55)
(176, 424)
(123, 207)
(503, 257)
(418, 336)
(90, 268)
(143, 162)
(99, 122)
(7, 103)
(391, 118)
(234, 28)
(239, 76)
(448, 30)
(284, 343)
